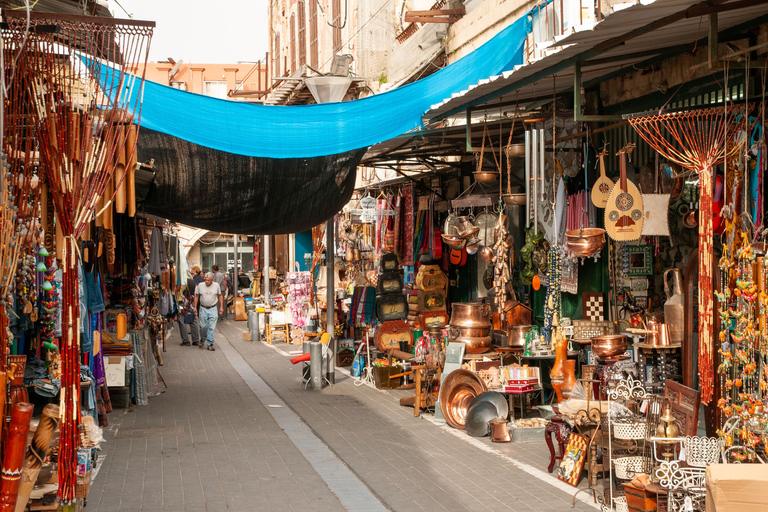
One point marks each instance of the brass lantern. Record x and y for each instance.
(667, 429)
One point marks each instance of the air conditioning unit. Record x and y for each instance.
(340, 65)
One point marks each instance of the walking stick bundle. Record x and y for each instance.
(13, 456)
(36, 454)
(76, 73)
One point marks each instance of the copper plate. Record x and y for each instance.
(457, 391)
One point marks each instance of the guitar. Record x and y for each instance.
(458, 257)
(624, 208)
(602, 187)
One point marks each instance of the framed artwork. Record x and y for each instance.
(573, 459)
(640, 260)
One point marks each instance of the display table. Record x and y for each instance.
(560, 430)
(523, 397)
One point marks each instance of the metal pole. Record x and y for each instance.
(234, 274)
(331, 310)
(316, 364)
(265, 246)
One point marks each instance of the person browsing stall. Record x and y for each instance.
(211, 301)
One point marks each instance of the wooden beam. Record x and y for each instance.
(437, 12)
(713, 61)
(431, 19)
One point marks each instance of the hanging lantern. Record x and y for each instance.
(43, 251)
(47, 286)
(41, 267)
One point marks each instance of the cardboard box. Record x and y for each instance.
(114, 370)
(737, 487)
(247, 336)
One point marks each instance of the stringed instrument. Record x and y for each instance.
(602, 187)
(624, 208)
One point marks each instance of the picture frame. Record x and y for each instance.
(574, 456)
(640, 260)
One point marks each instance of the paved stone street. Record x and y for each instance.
(236, 431)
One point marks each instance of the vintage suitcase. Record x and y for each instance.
(391, 307)
(431, 278)
(390, 333)
(389, 283)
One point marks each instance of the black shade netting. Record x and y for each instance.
(220, 191)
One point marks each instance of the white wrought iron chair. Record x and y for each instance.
(686, 486)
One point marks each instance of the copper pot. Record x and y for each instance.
(470, 314)
(516, 150)
(455, 333)
(585, 242)
(473, 246)
(486, 176)
(457, 391)
(514, 199)
(486, 253)
(609, 346)
(475, 345)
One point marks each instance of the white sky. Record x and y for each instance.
(201, 31)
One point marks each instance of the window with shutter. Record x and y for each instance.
(276, 56)
(293, 42)
(313, 42)
(336, 13)
(301, 11)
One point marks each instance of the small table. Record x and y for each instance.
(511, 399)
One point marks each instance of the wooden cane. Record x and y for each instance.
(36, 454)
(120, 177)
(14, 455)
(130, 168)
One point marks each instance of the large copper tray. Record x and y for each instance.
(457, 391)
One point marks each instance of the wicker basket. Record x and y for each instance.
(620, 504)
(585, 330)
(629, 430)
(626, 467)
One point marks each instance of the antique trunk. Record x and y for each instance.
(390, 333)
(391, 307)
(389, 283)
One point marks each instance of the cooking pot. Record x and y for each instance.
(516, 336)
(609, 346)
(470, 314)
(474, 345)
(454, 333)
(585, 242)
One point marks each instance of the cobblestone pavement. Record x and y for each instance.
(236, 431)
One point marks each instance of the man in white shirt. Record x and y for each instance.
(221, 280)
(208, 297)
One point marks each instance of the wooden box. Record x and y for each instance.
(640, 500)
(381, 378)
(431, 300)
(517, 313)
(247, 336)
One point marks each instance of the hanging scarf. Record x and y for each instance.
(408, 257)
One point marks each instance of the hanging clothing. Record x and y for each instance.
(158, 260)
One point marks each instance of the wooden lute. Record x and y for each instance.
(602, 187)
(624, 208)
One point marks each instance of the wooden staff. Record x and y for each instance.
(120, 181)
(108, 193)
(36, 454)
(130, 147)
(14, 455)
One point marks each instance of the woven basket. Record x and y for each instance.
(629, 430)
(626, 467)
(585, 330)
(620, 504)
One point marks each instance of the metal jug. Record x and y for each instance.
(674, 314)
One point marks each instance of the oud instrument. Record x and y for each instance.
(624, 208)
(602, 187)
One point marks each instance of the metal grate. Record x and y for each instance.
(149, 432)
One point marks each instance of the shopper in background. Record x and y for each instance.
(208, 296)
(186, 315)
(221, 279)
(197, 275)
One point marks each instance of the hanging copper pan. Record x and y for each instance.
(457, 391)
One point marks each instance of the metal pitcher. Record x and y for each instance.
(674, 312)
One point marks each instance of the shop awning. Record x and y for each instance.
(623, 39)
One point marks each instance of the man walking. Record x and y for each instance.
(187, 305)
(208, 296)
(221, 280)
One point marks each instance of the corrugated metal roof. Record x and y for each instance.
(586, 38)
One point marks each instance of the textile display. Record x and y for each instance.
(220, 191)
(314, 130)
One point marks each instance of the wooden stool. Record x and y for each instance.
(561, 432)
(281, 332)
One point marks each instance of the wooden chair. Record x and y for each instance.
(276, 328)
